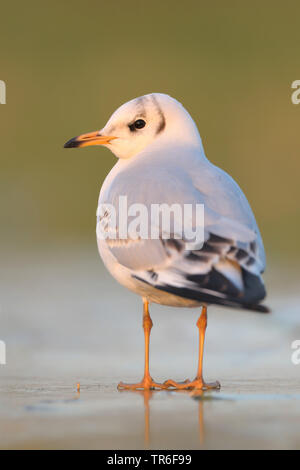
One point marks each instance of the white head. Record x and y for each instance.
(140, 123)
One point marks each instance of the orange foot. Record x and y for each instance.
(146, 384)
(197, 384)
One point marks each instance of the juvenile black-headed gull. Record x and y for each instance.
(162, 161)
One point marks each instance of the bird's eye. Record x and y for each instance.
(138, 124)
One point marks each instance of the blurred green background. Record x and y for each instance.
(69, 64)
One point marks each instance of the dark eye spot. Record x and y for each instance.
(138, 124)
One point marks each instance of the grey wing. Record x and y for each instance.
(226, 270)
(220, 273)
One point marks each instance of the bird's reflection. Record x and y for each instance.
(147, 395)
(197, 395)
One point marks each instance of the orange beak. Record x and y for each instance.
(91, 138)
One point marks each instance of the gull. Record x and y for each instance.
(161, 160)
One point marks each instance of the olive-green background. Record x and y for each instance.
(69, 64)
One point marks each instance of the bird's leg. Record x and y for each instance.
(198, 382)
(147, 383)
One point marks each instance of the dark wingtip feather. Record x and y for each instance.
(260, 308)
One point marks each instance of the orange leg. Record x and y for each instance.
(198, 382)
(147, 383)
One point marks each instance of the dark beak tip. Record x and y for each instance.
(72, 143)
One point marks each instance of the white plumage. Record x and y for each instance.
(162, 161)
(165, 163)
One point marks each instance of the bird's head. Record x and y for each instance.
(141, 122)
